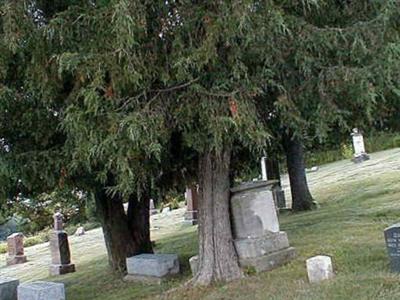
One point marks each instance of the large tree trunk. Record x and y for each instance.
(301, 196)
(124, 235)
(217, 256)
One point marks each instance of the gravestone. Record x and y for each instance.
(59, 247)
(15, 245)
(319, 268)
(360, 154)
(153, 209)
(41, 291)
(194, 264)
(151, 267)
(258, 240)
(392, 239)
(264, 174)
(80, 231)
(8, 288)
(191, 205)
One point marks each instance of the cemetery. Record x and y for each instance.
(199, 150)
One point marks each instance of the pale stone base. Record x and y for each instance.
(143, 279)
(15, 260)
(61, 269)
(270, 261)
(260, 246)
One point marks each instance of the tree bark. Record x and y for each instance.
(125, 235)
(218, 261)
(301, 196)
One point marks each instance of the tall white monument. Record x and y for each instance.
(360, 154)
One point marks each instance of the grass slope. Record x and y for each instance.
(348, 226)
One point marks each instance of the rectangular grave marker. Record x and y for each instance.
(392, 239)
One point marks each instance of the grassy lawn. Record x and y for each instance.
(348, 226)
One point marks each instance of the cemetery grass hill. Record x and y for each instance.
(357, 202)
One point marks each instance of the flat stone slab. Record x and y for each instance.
(270, 261)
(8, 288)
(55, 270)
(41, 290)
(255, 247)
(319, 268)
(153, 265)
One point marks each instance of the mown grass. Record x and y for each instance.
(348, 226)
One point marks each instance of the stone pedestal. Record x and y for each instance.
(8, 288)
(191, 206)
(41, 291)
(59, 247)
(360, 154)
(15, 245)
(151, 268)
(258, 240)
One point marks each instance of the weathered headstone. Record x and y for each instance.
(194, 264)
(153, 209)
(8, 288)
(191, 205)
(15, 245)
(59, 247)
(360, 154)
(41, 291)
(80, 231)
(392, 239)
(151, 267)
(258, 240)
(319, 268)
(264, 173)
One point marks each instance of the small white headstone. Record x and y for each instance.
(358, 143)
(264, 168)
(80, 231)
(166, 209)
(319, 268)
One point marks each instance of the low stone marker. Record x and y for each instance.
(8, 288)
(151, 268)
(194, 264)
(319, 268)
(15, 244)
(59, 247)
(166, 210)
(153, 209)
(80, 231)
(392, 239)
(41, 290)
(258, 240)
